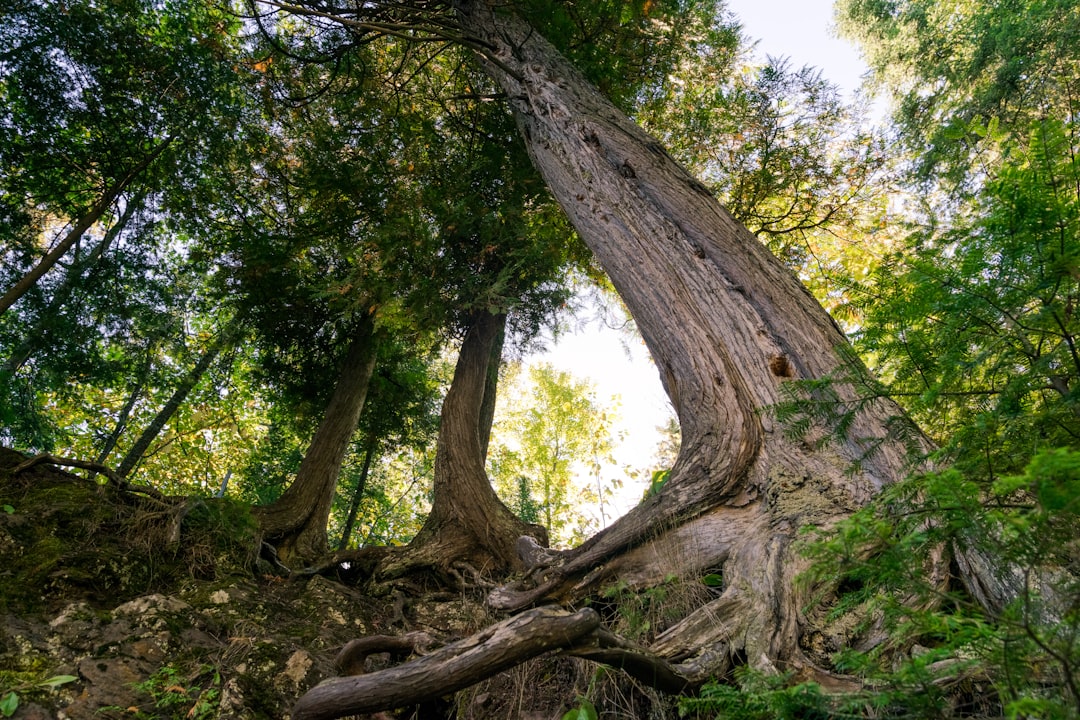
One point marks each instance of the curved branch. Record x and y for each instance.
(451, 668)
(112, 475)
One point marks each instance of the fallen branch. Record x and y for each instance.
(605, 647)
(112, 475)
(456, 666)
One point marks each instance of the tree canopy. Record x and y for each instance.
(247, 250)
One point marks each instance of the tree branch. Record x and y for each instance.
(451, 668)
(112, 475)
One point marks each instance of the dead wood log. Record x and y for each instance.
(451, 668)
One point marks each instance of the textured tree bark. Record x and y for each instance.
(296, 522)
(468, 522)
(727, 325)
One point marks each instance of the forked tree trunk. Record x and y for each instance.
(468, 522)
(491, 388)
(727, 324)
(296, 522)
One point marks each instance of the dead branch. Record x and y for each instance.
(451, 668)
(605, 647)
(112, 475)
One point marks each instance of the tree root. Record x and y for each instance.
(606, 647)
(451, 668)
(350, 660)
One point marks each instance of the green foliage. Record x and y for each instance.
(1023, 528)
(656, 483)
(9, 700)
(585, 710)
(557, 436)
(175, 695)
(524, 504)
(764, 697)
(974, 329)
(953, 68)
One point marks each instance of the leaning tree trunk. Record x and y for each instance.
(82, 224)
(468, 522)
(135, 453)
(39, 336)
(727, 325)
(358, 493)
(296, 522)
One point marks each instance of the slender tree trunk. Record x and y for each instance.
(491, 388)
(38, 336)
(135, 454)
(468, 522)
(84, 223)
(358, 494)
(296, 521)
(727, 324)
(121, 423)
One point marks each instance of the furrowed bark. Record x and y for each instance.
(468, 522)
(726, 323)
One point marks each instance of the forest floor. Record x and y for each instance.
(142, 608)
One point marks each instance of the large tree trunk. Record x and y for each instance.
(468, 522)
(727, 325)
(296, 521)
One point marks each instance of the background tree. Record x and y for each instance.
(549, 431)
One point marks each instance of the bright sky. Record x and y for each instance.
(619, 366)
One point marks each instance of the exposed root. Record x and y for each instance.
(451, 668)
(606, 647)
(351, 659)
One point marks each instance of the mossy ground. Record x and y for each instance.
(64, 537)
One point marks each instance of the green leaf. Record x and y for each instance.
(713, 580)
(585, 711)
(9, 704)
(9, 510)
(57, 680)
